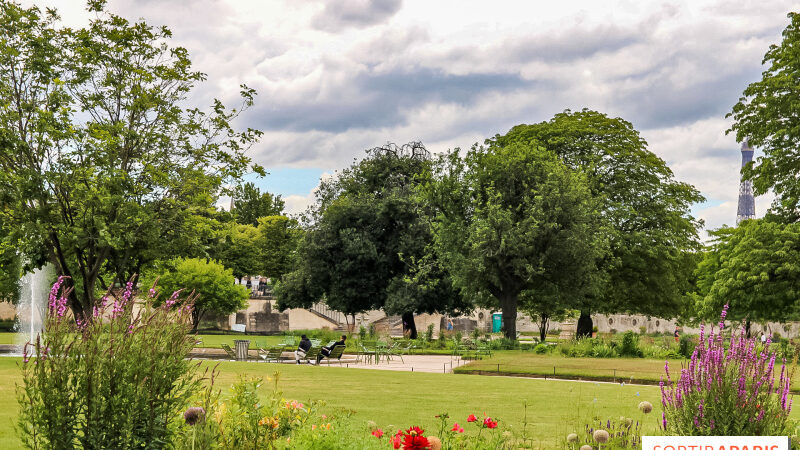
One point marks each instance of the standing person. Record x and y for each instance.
(302, 349)
(326, 351)
(763, 338)
(677, 335)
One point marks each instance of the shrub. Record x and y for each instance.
(727, 392)
(686, 346)
(541, 349)
(115, 382)
(630, 345)
(362, 333)
(429, 333)
(603, 350)
(619, 433)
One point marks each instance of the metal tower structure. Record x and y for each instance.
(747, 203)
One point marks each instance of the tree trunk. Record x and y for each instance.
(585, 325)
(509, 306)
(409, 325)
(544, 321)
(747, 327)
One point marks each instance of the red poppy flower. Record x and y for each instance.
(489, 423)
(457, 428)
(472, 418)
(397, 440)
(378, 433)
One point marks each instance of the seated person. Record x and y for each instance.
(302, 349)
(326, 351)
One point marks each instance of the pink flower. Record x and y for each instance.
(489, 423)
(457, 428)
(378, 433)
(472, 418)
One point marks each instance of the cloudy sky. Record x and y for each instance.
(340, 76)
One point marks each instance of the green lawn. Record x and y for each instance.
(610, 369)
(8, 338)
(405, 398)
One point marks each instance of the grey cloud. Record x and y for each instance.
(381, 99)
(571, 44)
(341, 14)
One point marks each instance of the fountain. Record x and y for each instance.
(32, 307)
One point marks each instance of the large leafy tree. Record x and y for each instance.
(100, 162)
(766, 116)
(368, 243)
(238, 249)
(277, 240)
(755, 269)
(652, 236)
(512, 222)
(250, 204)
(10, 269)
(209, 284)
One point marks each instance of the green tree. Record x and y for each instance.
(250, 204)
(10, 271)
(755, 269)
(99, 159)
(277, 241)
(766, 116)
(368, 243)
(652, 237)
(210, 281)
(513, 221)
(238, 249)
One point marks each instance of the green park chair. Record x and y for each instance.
(336, 354)
(311, 355)
(271, 355)
(368, 355)
(229, 351)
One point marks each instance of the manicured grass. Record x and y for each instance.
(8, 338)
(610, 369)
(403, 398)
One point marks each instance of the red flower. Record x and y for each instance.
(378, 433)
(415, 442)
(457, 428)
(397, 439)
(489, 423)
(472, 418)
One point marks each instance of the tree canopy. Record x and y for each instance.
(250, 204)
(651, 235)
(513, 221)
(766, 116)
(210, 282)
(755, 269)
(367, 245)
(100, 161)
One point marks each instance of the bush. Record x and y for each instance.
(728, 392)
(686, 346)
(429, 333)
(541, 349)
(116, 382)
(630, 345)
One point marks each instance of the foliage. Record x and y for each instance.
(208, 283)
(250, 204)
(278, 238)
(766, 116)
(728, 391)
(243, 421)
(650, 232)
(100, 162)
(753, 268)
(630, 345)
(238, 250)
(115, 381)
(368, 246)
(686, 346)
(624, 432)
(514, 219)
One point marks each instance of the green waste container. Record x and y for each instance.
(497, 322)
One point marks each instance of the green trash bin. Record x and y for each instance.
(497, 322)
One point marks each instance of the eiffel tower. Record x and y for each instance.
(747, 203)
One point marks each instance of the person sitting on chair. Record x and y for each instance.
(302, 349)
(326, 351)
